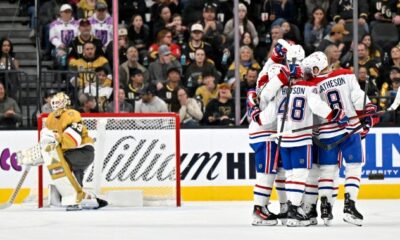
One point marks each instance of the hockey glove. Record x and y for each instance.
(255, 114)
(370, 121)
(295, 71)
(338, 115)
(279, 53)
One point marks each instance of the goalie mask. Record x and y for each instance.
(60, 101)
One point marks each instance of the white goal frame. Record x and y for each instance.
(122, 115)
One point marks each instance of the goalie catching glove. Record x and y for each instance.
(33, 156)
(48, 137)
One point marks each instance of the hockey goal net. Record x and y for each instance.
(132, 152)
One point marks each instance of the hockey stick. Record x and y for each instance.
(324, 124)
(16, 190)
(365, 93)
(331, 146)
(243, 118)
(396, 102)
(278, 147)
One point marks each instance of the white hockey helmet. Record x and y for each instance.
(295, 52)
(60, 101)
(315, 63)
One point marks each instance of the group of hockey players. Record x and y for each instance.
(294, 92)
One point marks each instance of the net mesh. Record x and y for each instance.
(134, 153)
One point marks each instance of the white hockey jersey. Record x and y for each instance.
(267, 87)
(303, 103)
(63, 33)
(340, 89)
(103, 30)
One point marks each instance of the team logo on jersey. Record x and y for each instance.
(301, 160)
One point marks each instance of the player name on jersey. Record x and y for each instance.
(332, 84)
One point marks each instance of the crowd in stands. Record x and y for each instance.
(177, 55)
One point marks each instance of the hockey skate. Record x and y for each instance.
(102, 203)
(351, 215)
(297, 217)
(75, 207)
(99, 203)
(283, 213)
(311, 211)
(263, 217)
(326, 211)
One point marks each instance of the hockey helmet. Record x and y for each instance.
(295, 53)
(315, 63)
(60, 101)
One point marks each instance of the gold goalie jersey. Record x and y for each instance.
(71, 133)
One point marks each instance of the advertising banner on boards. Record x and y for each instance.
(212, 158)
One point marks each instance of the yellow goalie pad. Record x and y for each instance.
(63, 179)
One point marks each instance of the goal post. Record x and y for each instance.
(133, 151)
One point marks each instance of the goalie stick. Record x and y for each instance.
(16, 190)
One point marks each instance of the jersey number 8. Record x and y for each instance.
(334, 99)
(298, 106)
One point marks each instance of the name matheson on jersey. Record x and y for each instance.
(331, 84)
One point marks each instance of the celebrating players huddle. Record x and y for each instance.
(294, 92)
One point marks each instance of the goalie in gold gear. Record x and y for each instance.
(64, 127)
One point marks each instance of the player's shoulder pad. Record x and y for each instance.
(342, 71)
(73, 114)
(305, 83)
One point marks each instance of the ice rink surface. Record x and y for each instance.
(200, 220)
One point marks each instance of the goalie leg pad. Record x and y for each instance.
(54, 196)
(63, 179)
